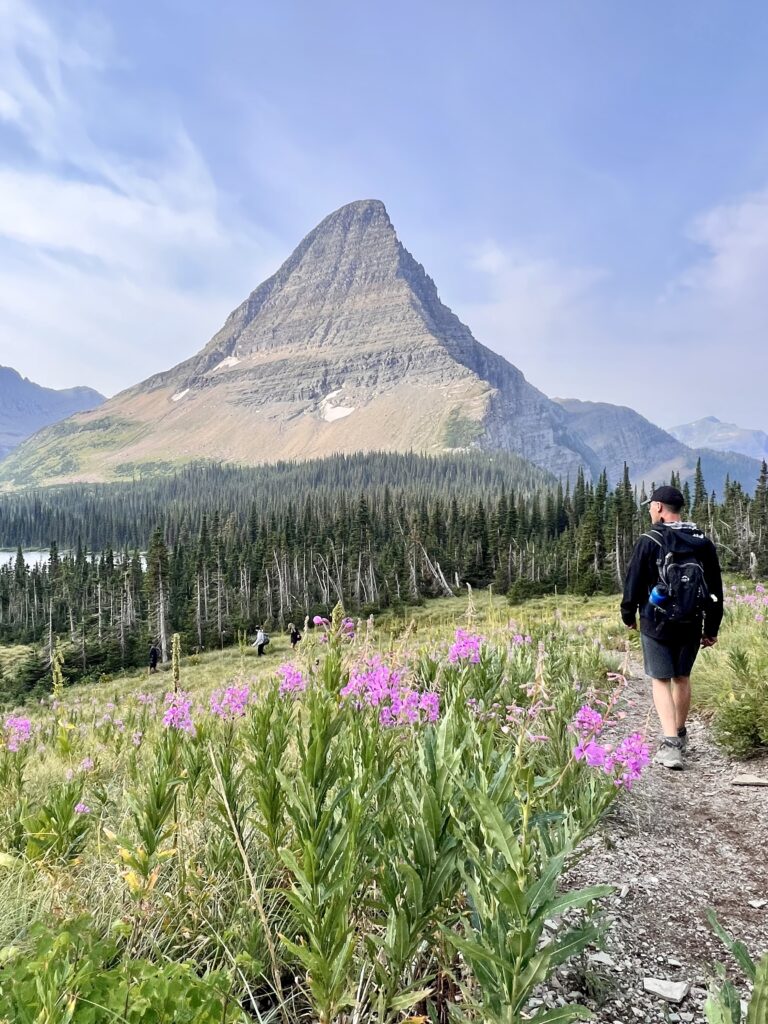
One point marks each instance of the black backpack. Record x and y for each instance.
(683, 576)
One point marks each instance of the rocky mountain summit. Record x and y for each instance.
(346, 348)
(25, 407)
(710, 432)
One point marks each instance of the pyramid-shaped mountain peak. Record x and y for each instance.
(346, 347)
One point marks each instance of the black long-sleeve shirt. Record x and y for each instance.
(643, 574)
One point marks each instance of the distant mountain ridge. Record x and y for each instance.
(710, 432)
(618, 434)
(26, 407)
(347, 348)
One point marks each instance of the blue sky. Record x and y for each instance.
(586, 182)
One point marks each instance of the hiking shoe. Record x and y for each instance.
(669, 755)
(682, 735)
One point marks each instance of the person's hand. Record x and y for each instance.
(632, 626)
(708, 641)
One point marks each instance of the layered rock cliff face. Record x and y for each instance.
(346, 348)
(25, 407)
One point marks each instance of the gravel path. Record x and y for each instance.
(678, 844)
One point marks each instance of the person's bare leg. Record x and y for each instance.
(681, 696)
(665, 706)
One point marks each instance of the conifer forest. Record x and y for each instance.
(211, 552)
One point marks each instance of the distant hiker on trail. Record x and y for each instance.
(261, 641)
(154, 656)
(294, 634)
(673, 578)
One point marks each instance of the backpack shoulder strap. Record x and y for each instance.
(657, 537)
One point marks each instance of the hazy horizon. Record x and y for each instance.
(588, 188)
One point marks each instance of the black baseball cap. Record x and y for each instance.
(667, 496)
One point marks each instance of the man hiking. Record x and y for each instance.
(261, 641)
(673, 578)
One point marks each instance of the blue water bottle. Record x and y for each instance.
(659, 595)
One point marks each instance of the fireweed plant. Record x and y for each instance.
(371, 835)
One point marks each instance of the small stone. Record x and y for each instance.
(758, 904)
(687, 1017)
(749, 780)
(674, 962)
(602, 958)
(672, 991)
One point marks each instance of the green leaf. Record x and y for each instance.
(758, 1004)
(573, 942)
(499, 832)
(562, 1015)
(738, 950)
(577, 898)
(716, 1010)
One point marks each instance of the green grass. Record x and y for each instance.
(11, 656)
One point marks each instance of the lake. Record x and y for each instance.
(30, 557)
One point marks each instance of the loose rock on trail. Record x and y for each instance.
(678, 844)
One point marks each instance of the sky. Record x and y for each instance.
(587, 183)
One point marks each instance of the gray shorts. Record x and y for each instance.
(668, 659)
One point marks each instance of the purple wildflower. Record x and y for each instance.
(18, 731)
(379, 686)
(86, 765)
(630, 758)
(466, 647)
(292, 680)
(231, 702)
(178, 712)
(82, 808)
(587, 721)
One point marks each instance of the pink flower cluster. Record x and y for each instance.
(178, 712)
(518, 640)
(18, 731)
(466, 647)
(377, 685)
(230, 703)
(625, 764)
(292, 681)
(757, 600)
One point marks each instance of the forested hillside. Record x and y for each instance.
(228, 549)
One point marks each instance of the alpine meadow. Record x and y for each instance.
(347, 675)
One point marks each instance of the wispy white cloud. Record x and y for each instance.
(698, 346)
(113, 267)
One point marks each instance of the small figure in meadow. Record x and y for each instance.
(294, 634)
(154, 657)
(261, 641)
(674, 579)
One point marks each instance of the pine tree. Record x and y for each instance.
(157, 584)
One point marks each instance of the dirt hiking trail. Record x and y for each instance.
(679, 843)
